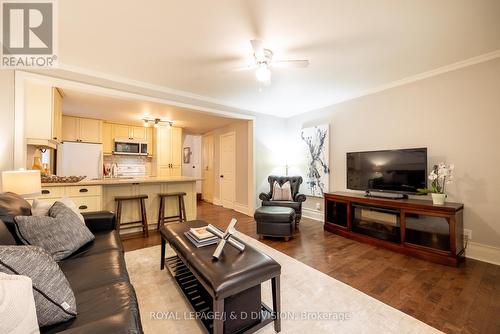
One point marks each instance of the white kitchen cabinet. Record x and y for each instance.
(169, 151)
(43, 112)
(81, 129)
(86, 198)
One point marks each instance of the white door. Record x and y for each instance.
(227, 169)
(208, 169)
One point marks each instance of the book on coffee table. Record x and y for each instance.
(201, 233)
(201, 243)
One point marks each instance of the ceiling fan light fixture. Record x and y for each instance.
(263, 73)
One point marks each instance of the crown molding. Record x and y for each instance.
(150, 86)
(414, 78)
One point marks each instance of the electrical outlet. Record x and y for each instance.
(318, 206)
(467, 234)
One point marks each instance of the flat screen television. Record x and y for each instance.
(400, 171)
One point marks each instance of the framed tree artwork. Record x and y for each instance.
(315, 146)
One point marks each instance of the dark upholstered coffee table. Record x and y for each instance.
(226, 293)
(275, 221)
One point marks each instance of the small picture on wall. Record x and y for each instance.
(187, 155)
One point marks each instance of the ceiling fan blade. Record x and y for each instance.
(290, 63)
(245, 68)
(258, 49)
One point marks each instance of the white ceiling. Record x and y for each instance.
(353, 46)
(128, 111)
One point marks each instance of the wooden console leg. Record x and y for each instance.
(275, 285)
(218, 310)
(163, 246)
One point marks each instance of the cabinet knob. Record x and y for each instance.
(84, 190)
(222, 176)
(45, 192)
(82, 207)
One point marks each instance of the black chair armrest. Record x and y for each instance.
(100, 221)
(300, 198)
(265, 196)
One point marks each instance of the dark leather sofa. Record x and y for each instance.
(105, 298)
(296, 204)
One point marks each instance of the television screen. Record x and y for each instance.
(402, 171)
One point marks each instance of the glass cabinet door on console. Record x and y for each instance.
(427, 230)
(377, 222)
(336, 213)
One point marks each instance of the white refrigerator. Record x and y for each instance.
(79, 159)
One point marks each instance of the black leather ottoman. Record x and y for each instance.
(275, 221)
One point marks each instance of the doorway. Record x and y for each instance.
(208, 168)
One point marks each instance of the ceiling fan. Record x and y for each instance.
(264, 61)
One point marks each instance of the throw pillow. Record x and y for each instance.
(60, 234)
(17, 305)
(282, 193)
(72, 205)
(40, 208)
(54, 299)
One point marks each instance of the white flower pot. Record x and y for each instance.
(438, 199)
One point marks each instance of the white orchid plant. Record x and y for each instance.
(440, 176)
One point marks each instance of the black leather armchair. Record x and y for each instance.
(296, 204)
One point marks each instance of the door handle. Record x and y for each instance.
(45, 192)
(83, 190)
(82, 207)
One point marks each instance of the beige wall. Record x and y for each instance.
(242, 169)
(455, 115)
(6, 120)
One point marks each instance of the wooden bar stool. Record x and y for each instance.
(181, 217)
(144, 220)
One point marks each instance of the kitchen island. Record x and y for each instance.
(96, 195)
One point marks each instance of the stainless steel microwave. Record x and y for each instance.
(127, 146)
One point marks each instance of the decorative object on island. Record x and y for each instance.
(61, 179)
(440, 176)
(227, 236)
(315, 142)
(410, 226)
(22, 182)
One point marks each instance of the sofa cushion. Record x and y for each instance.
(12, 205)
(103, 241)
(88, 272)
(288, 204)
(60, 234)
(275, 214)
(54, 299)
(110, 308)
(6, 237)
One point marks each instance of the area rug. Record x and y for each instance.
(312, 302)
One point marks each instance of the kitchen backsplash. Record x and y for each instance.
(130, 160)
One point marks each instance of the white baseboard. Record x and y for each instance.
(217, 201)
(242, 208)
(313, 214)
(483, 253)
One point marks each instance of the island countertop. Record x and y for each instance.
(125, 180)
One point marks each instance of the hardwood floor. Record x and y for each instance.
(453, 300)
